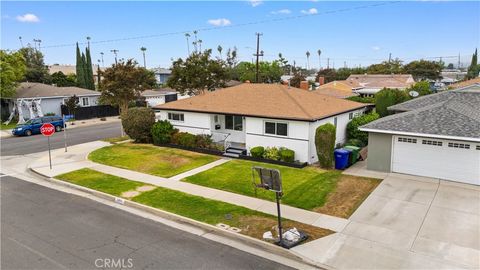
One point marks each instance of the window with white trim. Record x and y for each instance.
(478, 147)
(407, 140)
(429, 142)
(459, 145)
(350, 116)
(234, 122)
(85, 101)
(276, 128)
(335, 121)
(176, 117)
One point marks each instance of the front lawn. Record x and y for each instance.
(150, 159)
(309, 188)
(99, 181)
(209, 211)
(115, 140)
(11, 125)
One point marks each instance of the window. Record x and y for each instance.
(428, 142)
(274, 128)
(478, 147)
(350, 116)
(335, 121)
(459, 145)
(176, 117)
(215, 118)
(85, 101)
(234, 122)
(407, 140)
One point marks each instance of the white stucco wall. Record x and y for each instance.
(195, 123)
(154, 101)
(297, 139)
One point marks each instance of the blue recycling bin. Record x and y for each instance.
(341, 158)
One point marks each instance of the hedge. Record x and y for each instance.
(138, 123)
(162, 132)
(388, 97)
(257, 151)
(325, 144)
(287, 155)
(353, 133)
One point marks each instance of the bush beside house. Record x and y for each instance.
(138, 123)
(162, 132)
(257, 152)
(355, 136)
(388, 97)
(325, 144)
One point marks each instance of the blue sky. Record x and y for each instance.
(408, 30)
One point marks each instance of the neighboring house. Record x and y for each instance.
(465, 83)
(161, 74)
(156, 97)
(36, 99)
(72, 69)
(268, 115)
(454, 74)
(339, 89)
(437, 136)
(373, 83)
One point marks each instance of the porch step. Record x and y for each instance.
(231, 155)
(235, 151)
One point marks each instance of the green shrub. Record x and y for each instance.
(353, 133)
(137, 123)
(203, 141)
(257, 151)
(325, 144)
(162, 132)
(186, 139)
(355, 142)
(271, 153)
(287, 155)
(388, 97)
(362, 99)
(49, 114)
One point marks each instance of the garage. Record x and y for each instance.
(445, 159)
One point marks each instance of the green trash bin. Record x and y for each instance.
(355, 153)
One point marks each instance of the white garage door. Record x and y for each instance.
(444, 159)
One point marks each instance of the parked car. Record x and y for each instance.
(33, 125)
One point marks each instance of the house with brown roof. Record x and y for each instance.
(372, 83)
(466, 83)
(268, 115)
(154, 97)
(339, 89)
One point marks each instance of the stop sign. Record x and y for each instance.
(47, 129)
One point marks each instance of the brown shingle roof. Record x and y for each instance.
(334, 92)
(382, 80)
(157, 92)
(39, 90)
(265, 100)
(465, 83)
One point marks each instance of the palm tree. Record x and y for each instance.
(143, 49)
(219, 49)
(200, 44)
(187, 35)
(88, 42)
(308, 59)
(319, 63)
(196, 40)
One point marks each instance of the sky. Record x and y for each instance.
(348, 33)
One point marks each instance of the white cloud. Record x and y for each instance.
(28, 17)
(376, 48)
(255, 3)
(282, 11)
(310, 11)
(220, 22)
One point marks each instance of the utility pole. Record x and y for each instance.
(21, 42)
(389, 57)
(143, 49)
(88, 42)
(257, 55)
(328, 63)
(114, 51)
(458, 65)
(103, 64)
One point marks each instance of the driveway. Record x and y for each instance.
(408, 222)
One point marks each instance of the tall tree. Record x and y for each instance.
(423, 69)
(62, 80)
(36, 70)
(474, 68)
(268, 72)
(386, 67)
(308, 59)
(12, 71)
(198, 73)
(81, 81)
(297, 78)
(329, 75)
(220, 49)
(123, 82)
(89, 70)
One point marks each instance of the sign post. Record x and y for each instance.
(47, 130)
(65, 131)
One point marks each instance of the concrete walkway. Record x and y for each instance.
(76, 159)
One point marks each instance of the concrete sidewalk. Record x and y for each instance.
(76, 159)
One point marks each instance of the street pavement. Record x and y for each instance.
(38, 143)
(46, 229)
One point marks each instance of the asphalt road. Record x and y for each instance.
(38, 143)
(47, 229)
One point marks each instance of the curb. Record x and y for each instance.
(243, 239)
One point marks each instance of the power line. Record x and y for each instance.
(232, 25)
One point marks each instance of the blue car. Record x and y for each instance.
(33, 125)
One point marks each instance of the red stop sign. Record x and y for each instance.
(47, 129)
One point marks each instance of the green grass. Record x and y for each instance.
(9, 126)
(114, 140)
(99, 181)
(145, 158)
(305, 188)
(209, 211)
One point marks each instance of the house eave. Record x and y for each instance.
(426, 135)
